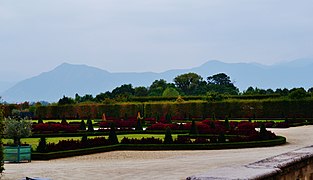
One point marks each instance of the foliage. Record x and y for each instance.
(66, 100)
(112, 135)
(42, 146)
(82, 125)
(227, 126)
(40, 120)
(1, 137)
(90, 125)
(298, 93)
(16, 129)
(168, 139)
(188, 83)
(141, 91)
(157, 87)
(139, 124)
(170, 92)
(194, 129)
(221, 83)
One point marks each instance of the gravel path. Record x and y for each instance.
(154, 164)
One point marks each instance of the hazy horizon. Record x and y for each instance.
(153, 36)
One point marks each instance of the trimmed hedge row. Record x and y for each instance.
(266, 108)
(146, 147)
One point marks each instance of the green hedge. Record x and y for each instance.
(233, 108)
(145, 147)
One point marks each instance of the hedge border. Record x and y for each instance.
(158, 147)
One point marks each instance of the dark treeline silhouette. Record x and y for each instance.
(189, 84)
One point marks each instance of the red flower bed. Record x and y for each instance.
(54, 127)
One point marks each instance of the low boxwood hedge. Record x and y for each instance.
(145, 147)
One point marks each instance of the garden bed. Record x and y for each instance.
(145, 147)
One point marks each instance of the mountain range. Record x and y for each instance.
(69, 79)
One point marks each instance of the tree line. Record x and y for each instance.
(188, 84)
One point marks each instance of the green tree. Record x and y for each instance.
(168, 139)
(66, 100)
(1, 137)
(124, 90)
(221, 83)
(141, 91)
(297, 93)
(170, 92)
(16, 129)
(188, 83)
(157, 87)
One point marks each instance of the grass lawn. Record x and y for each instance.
(260, 120)
(68, 120)
(34, 141)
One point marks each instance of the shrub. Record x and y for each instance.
(64, 121)
(42, 146)
(221, 138)
(112, 135)
(193, 129)
(227, 123)
(138, 126)
(82, 125)
(40, 120)
(168, 139)
(90, 125)
(182, 140)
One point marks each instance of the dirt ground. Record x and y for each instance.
(153, 164)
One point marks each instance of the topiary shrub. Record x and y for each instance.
(193, 129)
(227, 126)
(221, 138)
(42, 146)
(82, 125)
(90, 125)
(112, 135)
(64, 121)
(40, 120)
(138, 125)
(168, 139)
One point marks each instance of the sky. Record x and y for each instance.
(150, 35)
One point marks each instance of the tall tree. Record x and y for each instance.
(157, 87)
(221, 83)
(125, 89)
(188, 83)
(141, 91)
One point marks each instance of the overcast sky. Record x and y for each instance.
(150, 35)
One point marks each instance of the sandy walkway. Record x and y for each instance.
(153, 164)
